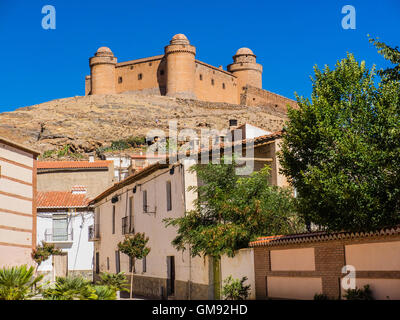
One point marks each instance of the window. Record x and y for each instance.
(108, 263)
(223, 86)
(60, 227)
(97, 262)
(131, 67)
(119, 79)
(144, 200)
(169, 196)
(117, 262)
(144, 266)
(161, 72)
(201, 77)
(212, 82)
(131, 215)
(150, 64)
(140, 76)
(113, 220)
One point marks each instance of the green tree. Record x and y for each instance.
(231, 211)
(391, 54)
(341, 149)
(134, 246)
(18, 283)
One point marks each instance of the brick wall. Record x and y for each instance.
(330, 257)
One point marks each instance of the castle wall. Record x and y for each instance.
(252, 96)
(148, 74)
(206, 91)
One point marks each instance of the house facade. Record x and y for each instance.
(17, 203)
(95, 175)
(64, 219)
(140, 203)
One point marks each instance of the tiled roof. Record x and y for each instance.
(321, 236)
(73, 164)
(61, 199)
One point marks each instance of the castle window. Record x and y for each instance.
(161, 72)
(201, 77)
(223, 86)
(212, 82)
(140, 76)
(131, 67)
(119, 79)
(150, 64)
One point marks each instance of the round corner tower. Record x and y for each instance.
(246, 69)
(181, 67)
(102, 71)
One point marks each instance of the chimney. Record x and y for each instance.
(78, 190)
(91, 158)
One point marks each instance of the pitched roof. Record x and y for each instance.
(61, 199)
(19, 146)
(320, 236)
(73, 164)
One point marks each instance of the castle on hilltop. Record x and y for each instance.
(177, 73)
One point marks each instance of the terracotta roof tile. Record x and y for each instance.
(320, 236)
(72, 164)
(61, 199)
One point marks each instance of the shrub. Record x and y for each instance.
(359, 294)
(321, 296)
(105, 293)
(136, 141)
(18, 283)
(234, 289)
(117, 281)
(67, 288)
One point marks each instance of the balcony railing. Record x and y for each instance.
(58, 235)
(94, 232)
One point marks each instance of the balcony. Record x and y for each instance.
(94, 232)
(59, 235)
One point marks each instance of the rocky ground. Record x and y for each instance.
(88, 122)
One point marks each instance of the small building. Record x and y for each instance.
(17, 203)
(63, 175)
(64, 219)
(141, 202)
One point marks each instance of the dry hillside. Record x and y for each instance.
(85, 123)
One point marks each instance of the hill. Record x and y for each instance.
(84, 123)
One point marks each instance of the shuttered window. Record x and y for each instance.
(169, 196)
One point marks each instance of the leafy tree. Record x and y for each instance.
(18, 283)
(134, 246)
(43, 252)
(235, 289)
(231, 211)
(391, 54)
(341, 149)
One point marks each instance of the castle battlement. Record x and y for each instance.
(177, 73)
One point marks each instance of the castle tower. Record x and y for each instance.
(181, 68)
(102, 71)
(246, 69)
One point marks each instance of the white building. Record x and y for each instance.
(63, 219)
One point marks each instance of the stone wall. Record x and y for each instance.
(252, 96)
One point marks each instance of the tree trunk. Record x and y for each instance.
(217, 277)
(132, 272)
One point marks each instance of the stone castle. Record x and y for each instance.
(177, 73)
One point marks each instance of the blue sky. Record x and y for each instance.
(288, 37)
